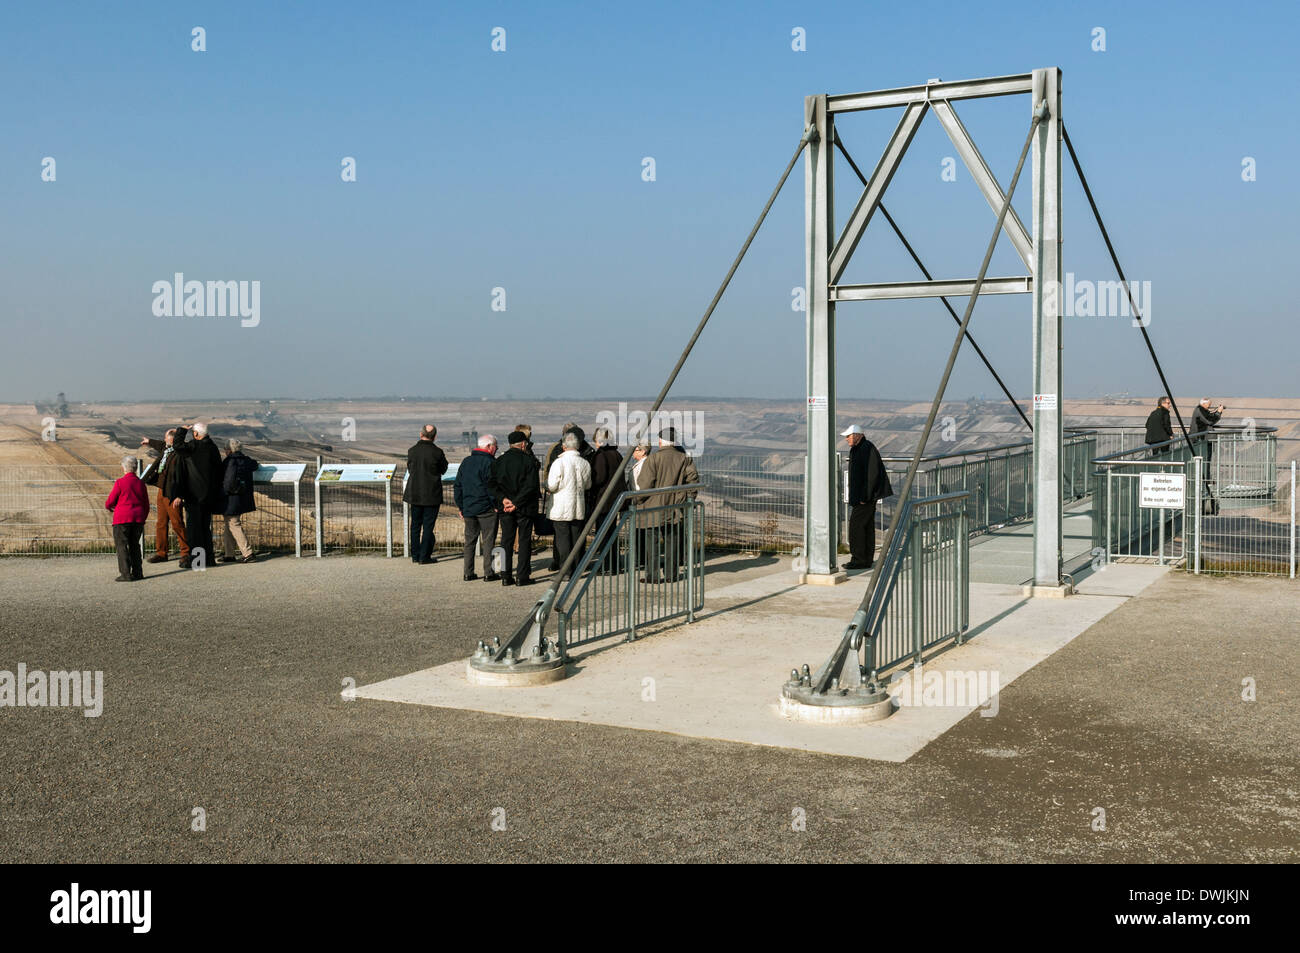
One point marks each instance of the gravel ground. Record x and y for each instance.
(222, 691)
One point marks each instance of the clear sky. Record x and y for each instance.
(523, 169)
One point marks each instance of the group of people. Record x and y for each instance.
(520, 496)
(194, 484)
(1160, 428)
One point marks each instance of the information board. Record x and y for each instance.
(355, 473)
(279, 473)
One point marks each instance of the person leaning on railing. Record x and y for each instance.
(1160, 429)
(1203, 421)
(669, 466)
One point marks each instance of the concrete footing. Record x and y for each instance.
(1047, 592)
(523, 675)
(823, 579)
(837, 714)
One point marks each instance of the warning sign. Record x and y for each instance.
(821, 402)
(1044, 402)
(1164, 491)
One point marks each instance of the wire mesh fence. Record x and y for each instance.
(1247, 523)
(1250, 528)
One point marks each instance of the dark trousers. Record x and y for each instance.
(568, 537)
(423, 520)
(198, 528)
(862, 533)
(520, 523)
(169, 515)
(669, 543)
(1158, 451)
(126, 536)
(484, 527)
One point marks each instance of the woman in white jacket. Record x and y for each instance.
(568, 481)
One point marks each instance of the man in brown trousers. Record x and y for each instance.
(165, 474)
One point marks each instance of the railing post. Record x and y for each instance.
(917, 590)
(690, 561)
(1160, 552)
(297, 517)
(1109, 514)
(1292, 519)
(987, 488)
(320, 517)
(1197, 462)
(633, 573)
(388, 517)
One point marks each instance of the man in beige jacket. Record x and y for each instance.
(670, 465)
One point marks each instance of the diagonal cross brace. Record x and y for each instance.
(869, 201)
(984, 178)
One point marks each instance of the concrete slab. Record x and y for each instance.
(1007, 554)
(721, 677)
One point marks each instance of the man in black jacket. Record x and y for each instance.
(868, 483)
(237, 485)
(200, 491)
(517, 489)
(478, 506)
(1159, 427)
(425, 465)
(165, 473)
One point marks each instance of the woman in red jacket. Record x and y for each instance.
(129, 503)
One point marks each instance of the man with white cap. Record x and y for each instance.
(868, 482)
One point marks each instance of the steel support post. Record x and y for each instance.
(1047, 330)
(821, 534)
(388, 518)
(320, 522)
(1198, 477)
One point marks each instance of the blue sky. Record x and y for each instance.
(522, 169)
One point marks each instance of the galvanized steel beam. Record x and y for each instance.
(931, 289)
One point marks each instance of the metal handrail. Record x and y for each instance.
(975, 451)
(894, 559)
(1147, 448)
(603, 533)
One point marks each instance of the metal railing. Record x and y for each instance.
(1225, 473)
(1248, 525)
(924, 598)
(1000, 480)
(59, 510)
(645, 565)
